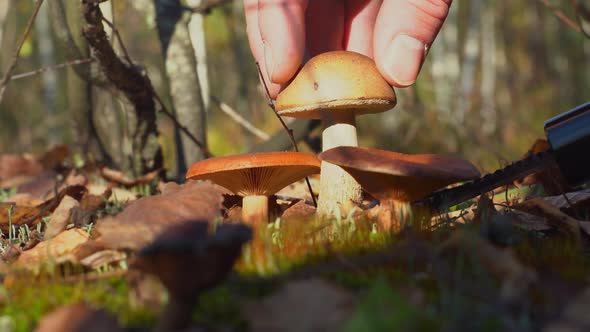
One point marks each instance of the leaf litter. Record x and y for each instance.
(484, 261)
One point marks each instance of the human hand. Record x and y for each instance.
(395, 33)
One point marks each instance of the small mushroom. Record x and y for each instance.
(255, 177)
(398, 179)
(336, 87)
(188, 260)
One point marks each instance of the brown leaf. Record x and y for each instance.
(102, 258)
(38, 186)
(23, 199)
(500, 263)
(78, 317)
(572, 199)
(55, 157)
(554, 216)
(299, 211)
(17, 215)
(143, 219)
(122, 179)
(319, 306)
(12, 165)
(60, 217)
(58, 250)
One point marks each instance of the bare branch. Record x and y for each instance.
(8, 73)
(225, 108)
(54, 67)
(289, 131)
(564, 18)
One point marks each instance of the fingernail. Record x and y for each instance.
(404, 58)
(268, 61)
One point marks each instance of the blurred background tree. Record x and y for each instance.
(497, 70)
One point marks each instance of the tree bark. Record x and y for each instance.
(145, 154)
(185, 88)
(48, 78)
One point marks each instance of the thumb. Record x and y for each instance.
(403, 32)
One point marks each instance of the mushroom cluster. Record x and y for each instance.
(335, 87)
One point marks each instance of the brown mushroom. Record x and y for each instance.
(398, 179)
(255, 177)
(188, 260)
(335, 87)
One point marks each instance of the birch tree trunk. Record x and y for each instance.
(48, 78)
(4, 9)
(196, 27)
(185, 88)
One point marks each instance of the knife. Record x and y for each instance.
(568, 135)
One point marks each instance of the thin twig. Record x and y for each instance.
(563, 17)
(225, 108)
(578, 9)
(119, 39)
(54, 67)
(289, 131)
(8, 73)
(171, 116)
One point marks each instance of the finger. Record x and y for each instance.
(282, 28)
(324, 23)
(403, 31)
(256, 45)
(360, 24)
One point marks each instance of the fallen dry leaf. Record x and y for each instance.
(102, 258)
(122, 179)
(308, 305)
(568, 200)
(54, 157)
(11, 214)
(142, 220)
(12, 165)
(57, 250)
(38, 186)
(553, 215)
(60, 217)
(24, 199)
(299, 211)
(78, 317)
(501, 263)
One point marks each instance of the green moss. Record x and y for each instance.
(27, 300)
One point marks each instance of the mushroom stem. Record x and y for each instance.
(397, 215)
(177, 314)
(337, 187)
(255, 209)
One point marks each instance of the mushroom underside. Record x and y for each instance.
(386, 187)
(258, 181)
(359, 107)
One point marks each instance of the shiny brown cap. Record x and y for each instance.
(391, 175)
(336, 81)
(256, 173)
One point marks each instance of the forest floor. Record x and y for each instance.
(83, 245)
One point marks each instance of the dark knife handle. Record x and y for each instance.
(569, 137)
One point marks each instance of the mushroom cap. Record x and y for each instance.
(188, 259)
(390, 175)
(336, 81)
(256, 173)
